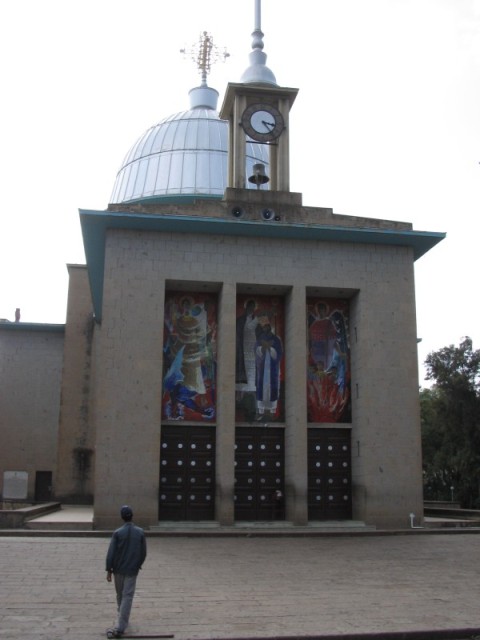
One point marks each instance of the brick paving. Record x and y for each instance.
(54, 588)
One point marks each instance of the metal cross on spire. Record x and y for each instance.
(205, 53)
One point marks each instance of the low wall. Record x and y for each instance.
(454, 513)
(442, 504)
(16, 518)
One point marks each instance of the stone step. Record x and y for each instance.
(261, 528)
(58, 526)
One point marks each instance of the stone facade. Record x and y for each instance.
(377, 279)
(30, 376)
(74, 480)
(93, 411)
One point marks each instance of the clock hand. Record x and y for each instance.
(268, 124)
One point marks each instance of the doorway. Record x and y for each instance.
(187, 473)
(259, 474)
(329, 474)
(43, 486)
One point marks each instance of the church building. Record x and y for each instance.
(229, 355)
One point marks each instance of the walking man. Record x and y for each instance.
(126, 554)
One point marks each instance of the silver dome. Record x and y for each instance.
(184, 154)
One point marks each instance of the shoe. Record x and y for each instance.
(114, 633)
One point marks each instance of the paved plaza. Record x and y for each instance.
(54, 587)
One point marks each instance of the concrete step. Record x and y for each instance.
(260, 528)
(68, 518)
(58, 526)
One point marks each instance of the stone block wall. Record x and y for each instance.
(74, 478)
(30, 376)
(141, 266)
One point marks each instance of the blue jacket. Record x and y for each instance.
(127, 550)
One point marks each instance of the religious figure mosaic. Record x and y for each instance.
(328, 361)
(189, 378)
(259, 362)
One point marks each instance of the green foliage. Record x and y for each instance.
(450, 413)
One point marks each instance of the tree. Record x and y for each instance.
(450, 413)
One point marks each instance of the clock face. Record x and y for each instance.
(262, 122)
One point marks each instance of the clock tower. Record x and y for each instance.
(258, 113)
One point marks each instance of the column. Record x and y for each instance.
(296, 475)
(225, 445)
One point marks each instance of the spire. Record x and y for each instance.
(258, 72)
(204, 53)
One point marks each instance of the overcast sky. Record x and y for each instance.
(386, 125)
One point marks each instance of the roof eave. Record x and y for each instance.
(96, 223)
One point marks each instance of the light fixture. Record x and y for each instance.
(268, 214)
(237, 212)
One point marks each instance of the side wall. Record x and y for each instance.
(385, 428)
(386, 436)
(73, 481)
(30, 377)
(128, 374)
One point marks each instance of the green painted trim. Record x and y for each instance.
(96, 223)
(173, 199)
(32, 326)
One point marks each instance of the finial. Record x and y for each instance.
(205, 53)
(258, 72)
(257, 35)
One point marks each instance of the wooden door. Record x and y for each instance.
(259, 474)
(329, 474)
(187, 473)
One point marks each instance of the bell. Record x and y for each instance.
(259, 176)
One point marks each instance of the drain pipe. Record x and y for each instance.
(413, 526)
